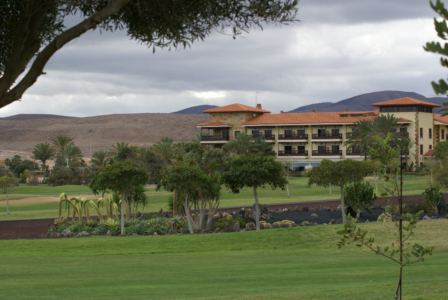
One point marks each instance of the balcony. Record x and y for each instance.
(293, 136)
(214, 138)
(266, 137)
(293, 153)
(327, 152)
(327, 136)
(353, 152)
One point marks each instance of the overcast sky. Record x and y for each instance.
(340, 49)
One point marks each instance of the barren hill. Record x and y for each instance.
(137, 129)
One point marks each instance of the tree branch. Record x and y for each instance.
(41, 60)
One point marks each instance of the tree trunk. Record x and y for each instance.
(431, 178)
(7, 204)
(358, 213)
(342, 205)
(202, 215)
(330, 188)
(257, 211)
(436, 210)
(374, 177)
(123, 197)
(175, 203)
(287, 185)
(188, 213)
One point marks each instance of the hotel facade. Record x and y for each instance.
(307, 138)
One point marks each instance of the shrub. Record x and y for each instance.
(229, 222)
(78, 227)
(359, 196)
(159, 224)
(101, 229)
(433, 197)
(417, 206)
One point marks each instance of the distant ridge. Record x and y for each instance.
(195, 110)
(27, 117)
(363, 102)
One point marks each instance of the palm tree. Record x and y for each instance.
(384, 124)
(61, 141)
(360, 137)
(117, 148)
(72, 153)
(100, 158)
(43, 152)
(241, 144)
(164, 148)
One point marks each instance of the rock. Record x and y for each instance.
(55, 234)
(339, 208)
(150, 232)
(315, 209)
(275, 225)
(94, 233)
(314, 215)
(326, 208)
(332, 222)
(160, 232)
(264, 212)
(82, 234)
(367, 221)
(305, 223)
(305, 208)
(426, 218)
(250, 226)
(296, 208)
(67, 233)
(339, 221)
(197, 231)
(441, 208)
(236, 226)
(155, 233)
(184, 231)
(285, 225)
(229, 229)
(261, 226)
(109, 233)
(324, 224)
(172, 231)
(217, 230)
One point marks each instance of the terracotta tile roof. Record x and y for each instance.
(429, 153)
(236, 108)
(309, 118)
(405, 101)
(438, 117)
(214, 124)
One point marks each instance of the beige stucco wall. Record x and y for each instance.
(236, 119)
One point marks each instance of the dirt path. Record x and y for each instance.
(45, 199)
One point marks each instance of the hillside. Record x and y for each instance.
(363, 102)
(195, 109)
(25, 117)
(137, 129)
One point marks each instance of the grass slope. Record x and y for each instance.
(299, 191)
(293, 263)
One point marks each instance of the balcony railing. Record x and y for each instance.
(267, 137)
(353, 152)
(214, 138)
(324, 136)
(293, 153)
(293, 136)
(326, 152)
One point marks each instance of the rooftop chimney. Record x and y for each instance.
(313, 110)
(259, 106)
(346, 109)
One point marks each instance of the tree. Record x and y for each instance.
(441, 150)
(360, 137)
(359, 196)
(117, 148)
(7, 182)
(72, 153)
(33, 31)
(432, 165)
(100, 159)
(60, 142)
(164, 148)
(253, 171)
(14, 162)
(121, 177)
(244, 144)
(405, 145)
(43, 152)
(384, 125)
(433, 197)
(339, 174)
(23, 166)
(287, 165)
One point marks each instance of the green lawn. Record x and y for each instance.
(299, 191)
(25, 191)
(292, 263)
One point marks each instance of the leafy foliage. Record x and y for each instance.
(433, 196)
(359, 196)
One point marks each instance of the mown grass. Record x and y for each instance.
(293, 263)
(299, 191)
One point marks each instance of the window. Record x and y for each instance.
(389, 109)
(255, 133)
(430, 133)
(421, 149)
(268, 133)
(237, 132)
(429, 109)
(288, 149)
(321, 132)
(403, 129)
(335, 149)
(443, 134)
(301, 132)
(225, 133)
(406, 108)
(393, 130)
(321, 149)
(335, 132)
(288, 132)
(430, 147)
(421, 133)
(300, 149)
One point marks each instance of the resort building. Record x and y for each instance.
(307, 138)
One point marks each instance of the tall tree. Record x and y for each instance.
(43, 152)
(32, 31)
(72, 153)
(254, 171)
(122, 178)
(339, 174)
(360, 137)
(117, 148)
(383, 125)
(6, 183)
(100, 158)
(164, 148)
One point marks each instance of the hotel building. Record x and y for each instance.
(307, 138)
